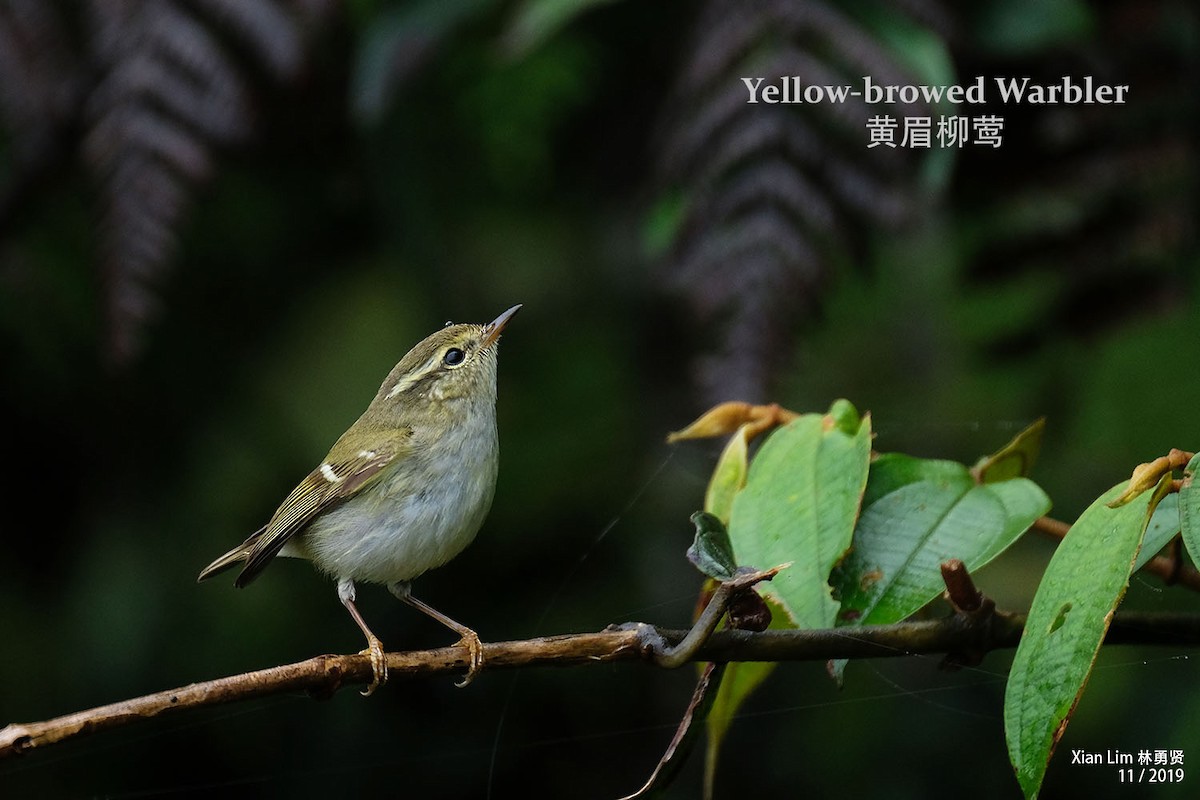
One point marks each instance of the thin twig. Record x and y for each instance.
(1054, 528)
(672, 656)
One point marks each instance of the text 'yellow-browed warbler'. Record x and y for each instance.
(404, 490)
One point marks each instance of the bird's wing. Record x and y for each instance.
(345, 472)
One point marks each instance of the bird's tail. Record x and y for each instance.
(237, 555)
(233, 558)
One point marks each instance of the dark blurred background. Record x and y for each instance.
(221, 223)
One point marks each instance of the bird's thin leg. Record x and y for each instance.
(374, 646)
(470, 639)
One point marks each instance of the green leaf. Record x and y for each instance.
(1163, 527)
(1189, 509)
(661, 223)
(799, 505)
(535, 21)
(740, 680)
(711, 551)
(891, 472)
(1015, 459)
(1071, 612)
(395, 44)
(843, 416)
(916, 514)
(812, 469)
(729, 476)
(1020, 28)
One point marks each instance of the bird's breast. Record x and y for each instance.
(418, 514)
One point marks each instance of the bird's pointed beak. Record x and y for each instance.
(491, 331)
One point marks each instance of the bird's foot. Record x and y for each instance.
(378, 664)
(470, 640)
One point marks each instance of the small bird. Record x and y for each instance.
(406, 487)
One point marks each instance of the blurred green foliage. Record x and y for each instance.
(516, 165)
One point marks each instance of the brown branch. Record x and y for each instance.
(1171, 569)
(324, 675)
(321, 677)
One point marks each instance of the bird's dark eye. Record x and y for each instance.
(453, 357)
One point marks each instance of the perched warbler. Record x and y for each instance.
(404, 490)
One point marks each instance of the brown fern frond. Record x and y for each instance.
(170, 95)
(773, 192)
(149, 93)
(267, 29)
